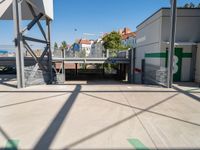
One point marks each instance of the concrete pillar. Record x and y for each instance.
(76, 65)
(17, 17)
(48, 30)
(131, 65)
(63, 64)
(172, 42)
(197, 73)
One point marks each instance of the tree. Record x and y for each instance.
(64, 45)
(187, 5)
(112, 40)
(192, 5)
(55, 45)
(198, 6)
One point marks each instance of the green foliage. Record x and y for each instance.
(112, 40)
(187, 5)
(190, 5)
(55, 45)
(64, 44)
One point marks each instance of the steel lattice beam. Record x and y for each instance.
(21, 42)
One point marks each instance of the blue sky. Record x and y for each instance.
(93, 16)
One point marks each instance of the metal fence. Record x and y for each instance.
(155, 75)
(100, 53)
(9, 51)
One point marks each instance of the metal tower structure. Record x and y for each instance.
(34, 10)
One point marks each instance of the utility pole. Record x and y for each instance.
(172, 42)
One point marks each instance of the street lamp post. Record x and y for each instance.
(172, 42)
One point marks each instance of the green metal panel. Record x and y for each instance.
(187, 55)
(178, 64)
(179, 56)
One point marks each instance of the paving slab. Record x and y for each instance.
(98, 115)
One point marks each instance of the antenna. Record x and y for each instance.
(86, 35)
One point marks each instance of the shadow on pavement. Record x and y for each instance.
(189, 94)
(4, 79)
(48, 136)
(7, 137)
(30, 101)
(116, 124)
(153, 112)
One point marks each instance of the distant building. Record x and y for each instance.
(11, 54)
(85, 45)
(3, 53)
(153, 46)
(128, 37)
(97, 49)
(37, 52)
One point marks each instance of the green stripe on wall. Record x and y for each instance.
(187, 55)
(155, 55)
(164, 55)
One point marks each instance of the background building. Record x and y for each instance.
(98, 49)
(85, 45)
(128, 37)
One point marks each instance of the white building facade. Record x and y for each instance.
(98, 49)
(86, 45)
(153, 46)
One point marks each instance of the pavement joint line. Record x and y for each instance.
(138, 145)
(12, 144)
(149, 135)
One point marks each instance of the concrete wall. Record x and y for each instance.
(197, 73)
(188, 23)
(148, 39)
(155, 30)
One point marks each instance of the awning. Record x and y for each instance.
(183, 43)
(40, 6)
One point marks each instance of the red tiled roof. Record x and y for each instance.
(82, 41)
(126, 36)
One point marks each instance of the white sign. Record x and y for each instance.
(142, 39)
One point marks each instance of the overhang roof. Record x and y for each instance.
(40, 6)
(182, 43)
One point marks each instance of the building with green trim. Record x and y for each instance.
(153, 45)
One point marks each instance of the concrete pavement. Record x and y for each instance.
(99, 115)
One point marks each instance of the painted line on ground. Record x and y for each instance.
(138, 145)
(12, 144)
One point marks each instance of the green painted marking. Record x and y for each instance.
(138, 145)
(178, 54)
(155, 55)
(165, 55)
(12, 145)
(166, 59)
(187, 55)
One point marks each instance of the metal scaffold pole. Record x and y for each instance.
(172, 42)
(48, 25)
(17, 17)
